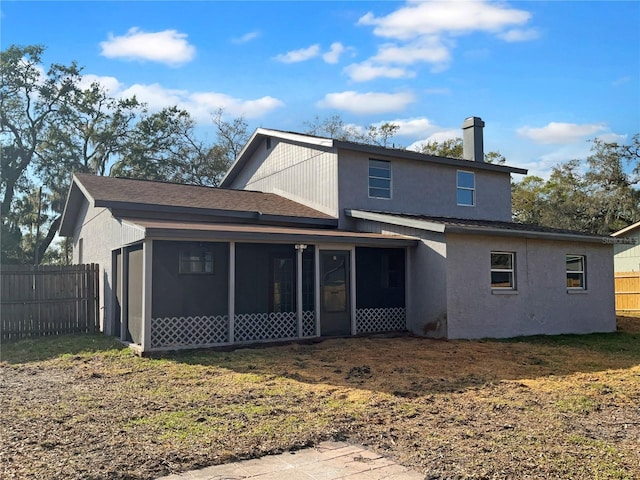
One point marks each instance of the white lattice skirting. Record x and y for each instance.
(376, 320)
(309, 324)
(265, 326)
(189, 331)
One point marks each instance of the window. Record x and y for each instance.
(196, 259)
(502, 270)
(466, 194)
(379, 179)
(576, 271)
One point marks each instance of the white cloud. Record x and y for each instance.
(363, 72)
(437, 136)
(208, 102)
(169, 47)
(367, 103)
(411, 127)
(301, 55)
(419, 18)
(430, 50)
(561, 133)
(111, 84)
(519, 35)
(423, 31)
(333, 55)
(247, 37)
(201, 104)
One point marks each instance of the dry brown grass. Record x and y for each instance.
(544, 407)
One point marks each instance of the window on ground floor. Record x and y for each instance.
(503, 270)
(576, 272)
(196, 259)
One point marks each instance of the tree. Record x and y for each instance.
(52, 126)
(453, 148)
(595, 195)
(334, 127)
(30, 101)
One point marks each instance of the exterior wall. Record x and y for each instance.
(302, 173)
(422, 188)
(100, 234)
(426, 288)
(627, 256)
(541, 303)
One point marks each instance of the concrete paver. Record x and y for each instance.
(326, 461)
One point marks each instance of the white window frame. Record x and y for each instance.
(582, 272)
(511, 270)
(471, 189)
(373, 177)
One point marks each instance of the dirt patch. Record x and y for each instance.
(553, 407)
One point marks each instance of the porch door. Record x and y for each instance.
(335, 301)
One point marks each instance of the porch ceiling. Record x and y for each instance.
(203, 231)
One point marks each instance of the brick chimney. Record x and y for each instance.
(472, 142)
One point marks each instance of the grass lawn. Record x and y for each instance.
(543, 407)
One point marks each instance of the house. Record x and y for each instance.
(314, 237)
(626, 249)
(626, 263)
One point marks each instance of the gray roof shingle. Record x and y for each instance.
(112, 192)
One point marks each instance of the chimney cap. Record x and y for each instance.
(472, 122)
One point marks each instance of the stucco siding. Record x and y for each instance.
(302, 173)
(422, 188)
(426, 286)
(627, 256)
(100, 234)
(541, 302)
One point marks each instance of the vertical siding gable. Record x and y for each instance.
(307, 174)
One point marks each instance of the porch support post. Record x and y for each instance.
(147, 263)
(407, 286)
(232, 290)
(124, 285)
(317, 287)
(352, 284)
(299, 251)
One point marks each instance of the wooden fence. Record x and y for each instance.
(48, 300)
(627, 291)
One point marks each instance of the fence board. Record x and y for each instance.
(48, 300)
(627, 287)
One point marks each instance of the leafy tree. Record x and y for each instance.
(453, 148)
(30, 101)
(595, 195)
(334, 127)
(52, 126)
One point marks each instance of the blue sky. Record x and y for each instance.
(544, 76)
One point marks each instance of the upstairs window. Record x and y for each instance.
(576, 272)
(466, 194)
(379, 179)
(503, 270)
(196, 259)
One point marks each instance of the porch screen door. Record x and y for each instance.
(335, 299)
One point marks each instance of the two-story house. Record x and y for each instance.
(314, 237)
